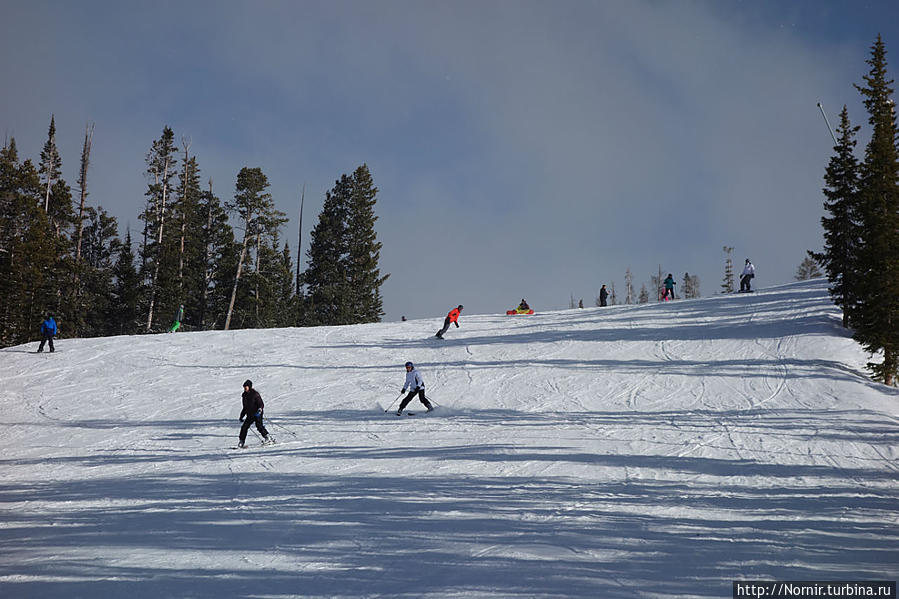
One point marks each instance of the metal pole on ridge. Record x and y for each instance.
(828, 123)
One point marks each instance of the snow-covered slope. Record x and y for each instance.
(631, 451)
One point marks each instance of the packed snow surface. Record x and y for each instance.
(661, 450)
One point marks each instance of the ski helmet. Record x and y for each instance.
(460, 306)
(409, 365)
(248, 383)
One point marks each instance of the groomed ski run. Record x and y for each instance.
(651, 451)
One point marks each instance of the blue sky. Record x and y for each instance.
(522, 148)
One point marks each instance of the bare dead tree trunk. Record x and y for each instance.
(243, 255)
(49, 185)
(186, 144)
(300, 238)
(161, 213)
(82, 182)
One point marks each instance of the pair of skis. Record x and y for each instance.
(264, 444)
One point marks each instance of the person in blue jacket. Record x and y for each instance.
(48, 330)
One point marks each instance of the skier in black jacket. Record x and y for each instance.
(252, 409)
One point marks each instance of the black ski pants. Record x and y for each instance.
(446, 323)
(745, 281)
(421, 397)
(45, 339)
(257, 418)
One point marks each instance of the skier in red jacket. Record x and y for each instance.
(452, 317)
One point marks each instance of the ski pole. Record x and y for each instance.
(393, 402)
(281, 427)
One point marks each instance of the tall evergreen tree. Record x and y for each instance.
(51, 164)
(189, 219)
(842, 231)
(161, 164)
(100, 246)
(127, 292)
(363, 250)
(326, 278)
(257, 211)
(876, 314)
(214, 262)
(82, 185)
(29, 254)
(343, 277)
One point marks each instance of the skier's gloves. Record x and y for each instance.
(403, 391)
(240, 419)
(457, 325)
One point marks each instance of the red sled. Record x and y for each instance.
(517, 312)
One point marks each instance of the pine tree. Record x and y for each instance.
(51, 164)
(126, 292)
(257, 211)
(283, 282)
(628, 287)
(28, 252)
(82, 184)
(274, 284)
(161, 163)
(363, 250)
(189, 219)
(728, 285)
(808, 269)
(100, 246)
(644, 295)
(842, 232)
(326, 278)
(219, 254)
(875, 316)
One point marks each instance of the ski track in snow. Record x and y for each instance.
(630, 451)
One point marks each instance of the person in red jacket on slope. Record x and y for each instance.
(452, 317)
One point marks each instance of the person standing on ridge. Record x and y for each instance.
(252, 410)
(416, 386)
(452, 317)
(669, 288)
(48, 330)
(747, 276)
(603, 296)
(177, 322)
